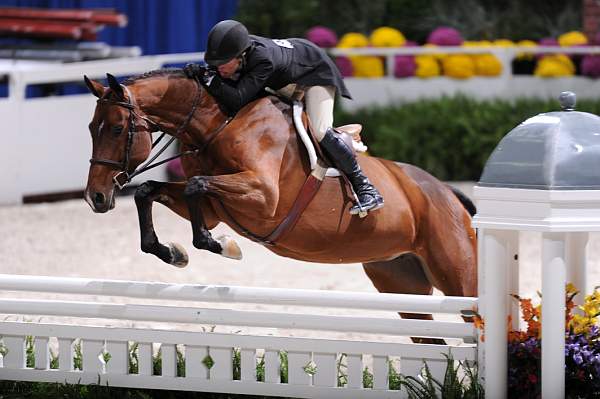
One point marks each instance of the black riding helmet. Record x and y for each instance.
(226, 40)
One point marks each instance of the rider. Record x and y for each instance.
(242, 65)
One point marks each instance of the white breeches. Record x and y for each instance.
(319, 107)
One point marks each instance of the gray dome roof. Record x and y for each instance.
(551, 151)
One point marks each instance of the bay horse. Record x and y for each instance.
(247, 171)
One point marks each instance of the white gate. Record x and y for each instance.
(316, 368)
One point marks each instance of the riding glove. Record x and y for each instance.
(204, 74)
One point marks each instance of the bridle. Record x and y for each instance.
(122, 178)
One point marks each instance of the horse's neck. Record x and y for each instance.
(169, 104)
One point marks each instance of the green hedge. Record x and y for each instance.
(450, 138)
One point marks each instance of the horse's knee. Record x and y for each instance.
(145, 190)
(195, 186)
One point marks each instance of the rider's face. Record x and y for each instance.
(228, 69)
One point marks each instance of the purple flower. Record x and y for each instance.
(590, 66)
(322, 36)
(547, 41)
(445, 36)
(404, 66)
(345, 66)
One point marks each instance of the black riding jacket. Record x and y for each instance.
(276, 63)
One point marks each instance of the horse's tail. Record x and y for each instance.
(464, 200)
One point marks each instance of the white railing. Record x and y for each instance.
(313, 364)
(369, 92)
(45, 141)
(504, 54)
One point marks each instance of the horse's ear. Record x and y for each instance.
(95, 87)
(115, 85)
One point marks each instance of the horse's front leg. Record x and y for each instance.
(240, 191)
(195, 191)
(170, 195)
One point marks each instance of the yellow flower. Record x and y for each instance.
(438, 56)
(367, 67)
(458, 66)
(487, 65)
(573, 38)
(470, 43)
(353, 39)
(387, 37)
(503, 43)
(557, 65)
(427, 66)
(590, 309)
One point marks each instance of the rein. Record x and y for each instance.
(122, 178)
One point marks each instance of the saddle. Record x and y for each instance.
(349, 133)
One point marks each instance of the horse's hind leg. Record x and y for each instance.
(170, 195)
(403, 275)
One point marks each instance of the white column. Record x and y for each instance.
(554, 276)
(494, 262)
(512, 280)
(576, 259)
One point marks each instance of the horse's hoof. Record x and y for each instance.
(230, 247)
(179, 256)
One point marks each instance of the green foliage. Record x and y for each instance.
(342, 375)
(260, 369)
(450, 137)
(134, 362)
(180, 362)
(453, 386)
(237, 364)
(475, 19)
(394, 378)
(157, 363)
(208, 362)
(29, 352)
(367, 378)
(283, 366)
(77, 356)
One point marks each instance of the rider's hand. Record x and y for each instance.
(201, 72)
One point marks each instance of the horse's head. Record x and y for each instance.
(121, 141)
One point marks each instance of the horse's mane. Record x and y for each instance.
(175, 72)
(280, 102)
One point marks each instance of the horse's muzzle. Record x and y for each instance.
(100, 202)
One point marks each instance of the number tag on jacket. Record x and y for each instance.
(283, 43)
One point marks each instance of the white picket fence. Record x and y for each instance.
(313, 363)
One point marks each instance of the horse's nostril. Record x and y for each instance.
(99, 199)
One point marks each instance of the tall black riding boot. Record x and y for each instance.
(343, 159)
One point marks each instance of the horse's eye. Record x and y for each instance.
(117, 129)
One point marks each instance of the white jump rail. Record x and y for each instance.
(257, 295)
(321, 355)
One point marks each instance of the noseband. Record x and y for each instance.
(122, 178)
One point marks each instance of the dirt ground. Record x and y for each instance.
(68, 239)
